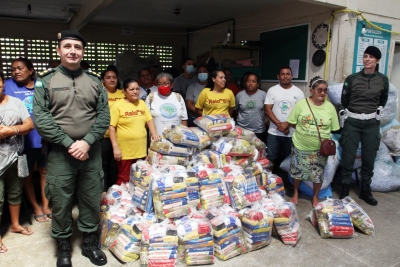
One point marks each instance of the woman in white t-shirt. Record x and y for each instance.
(166, 107)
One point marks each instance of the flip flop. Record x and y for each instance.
(23, 231)
(49, 215)
(294, 201)
(3, 248)
(42, 216)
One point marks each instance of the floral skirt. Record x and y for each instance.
(307, 165)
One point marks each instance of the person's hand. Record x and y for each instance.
(282, 126)
(287, 131)
(155, 137)
(6, 131)
(117, 154)
(79, 150)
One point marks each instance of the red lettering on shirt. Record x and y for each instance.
(217, 101)
(134, 113)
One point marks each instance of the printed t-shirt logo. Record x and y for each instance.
(250, 104)
(134, 113)
(285, 107)
(217, 101)
(168, 110)
(28, 101)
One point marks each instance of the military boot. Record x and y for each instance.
(365, 194)
(345, 191)
(64, 253)
(90, 249)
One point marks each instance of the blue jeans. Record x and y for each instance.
(275, 144)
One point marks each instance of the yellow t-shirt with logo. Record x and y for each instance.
(212, 102)
(112, 98)
(129, 121)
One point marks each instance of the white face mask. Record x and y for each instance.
(202, 77)
(190, 69)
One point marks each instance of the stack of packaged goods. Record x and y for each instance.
(274, 184)
(242, 186)
(204, 138)
(166, 147)
(333, 219)
(257, 225)
(139, 185)
(212, 188)
(181, 135)
(234, 147)
(215, 158)
(158, 158)
(250, 137)
(358, 216)
(126, 246)
(286, 220)
(169, 194)
(193, 189)
(196, 236)
(215, 125)
(159, 246)
(228, 234)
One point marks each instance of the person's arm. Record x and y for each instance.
(153, 131)
(22, 129)
(190, 105)
(114, 143)
(44, 121)
(231, 111)
(385, 93)
(282, 126)
(185, 123)
(201, 99)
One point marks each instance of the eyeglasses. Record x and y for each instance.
(163, 84)
(319, 91)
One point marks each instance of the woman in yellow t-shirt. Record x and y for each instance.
(110, 82)
(216, 99)
(127, 129)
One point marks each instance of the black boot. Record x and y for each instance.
(365, 194)
(345, 191)
(64, 253)
(90, 249)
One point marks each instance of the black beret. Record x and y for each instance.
(374, 51)
(70, 34)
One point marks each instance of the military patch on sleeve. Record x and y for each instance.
(38, 84)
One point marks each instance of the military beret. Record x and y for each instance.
(70, 34)
(374, 51)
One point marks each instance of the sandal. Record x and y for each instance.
(23, 231)
(41, 218)
(3, 248)
(294, 201)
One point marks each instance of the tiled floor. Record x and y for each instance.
(381, 250)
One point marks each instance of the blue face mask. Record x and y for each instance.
(190, 69)
(202, 77)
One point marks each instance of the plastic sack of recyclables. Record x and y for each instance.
(157, 158)
(391, 107)
(242, 186)
(215, 123)
(196, 235)
(391, 138)
(233, 147)
(358, 216)
(126, 246)
(166, 147)
(169, 195)
(181, 135)
(159, 246)
(333, 219)
(213, 191)
(257, 225)
(228, 234)
(286, 220)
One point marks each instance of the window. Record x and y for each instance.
(98, 55)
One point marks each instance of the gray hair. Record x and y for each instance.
(165, 75)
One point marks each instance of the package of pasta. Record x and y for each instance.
(218, 160)
(181, 135)
(165, 147)
(170, 198)
(212, 188)
(242, 133)
(359, 217)
(197, 238)
(334, 220)
(257, 225)
(227, 234)
(286, 220)
(215, 123)
(126, 245)
(233, 147)
(193, 188)
(274, 184)
(157, 158)
(159, 246)
(204, 138)
(242, 186)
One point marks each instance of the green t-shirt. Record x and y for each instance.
(305, 136)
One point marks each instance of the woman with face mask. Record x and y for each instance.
(193, 92)
(166, 107)
(127, 130)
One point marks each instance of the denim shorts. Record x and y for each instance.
(276, 143)
(35, 156)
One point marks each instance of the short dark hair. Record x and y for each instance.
(2, 75)
(127, 82)
(27, 64)
(256, 75)
(142, 69)
(186, 59)
(284, 67)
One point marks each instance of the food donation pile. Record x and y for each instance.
(203, 192)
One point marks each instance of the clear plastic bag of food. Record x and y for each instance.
(157, 158)
(204, 138)
(358, 216)
(181, 135)
(274, 184)
(233, 147)
(212, 188)
(166, 147)
(215, 123)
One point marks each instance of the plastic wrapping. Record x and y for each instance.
(391, 107)
(212, 188)
(215, 123)
(157, 158)
(257, 225)
(242, 133)
(140, 186)
(204, 138)
(335, 93)
(181, 135)
(386, 176)
(217, 159)
(242, 187)
(333, 219)
(193, 189)
(286, 220)
(358, 216)
(274, 185)
(166, 147)
(391, 138)
(233, 147)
